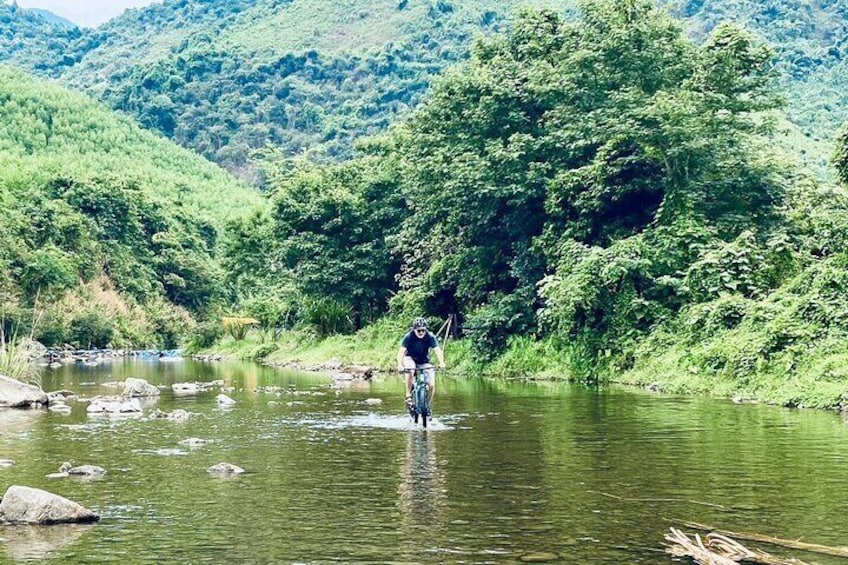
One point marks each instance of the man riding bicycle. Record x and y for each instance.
(415, 351)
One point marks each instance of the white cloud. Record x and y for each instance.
(88, 13)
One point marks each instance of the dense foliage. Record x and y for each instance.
(109, 233)
(810, 46)
(602, 189)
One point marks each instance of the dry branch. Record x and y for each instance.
(719, 550)
(683, 546)
(792, 544)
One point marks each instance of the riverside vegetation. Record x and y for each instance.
(596, 197)
(593, 199)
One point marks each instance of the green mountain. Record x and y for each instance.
(228, 78)
(52, 18)
(37, 44)
(811, 42)
(104, 221)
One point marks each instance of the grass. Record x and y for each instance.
(16, 360)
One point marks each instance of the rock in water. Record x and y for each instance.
(25, 505)
(138, 388)
(225, 469)
(224, 400)
(87, 471)
(15, 394)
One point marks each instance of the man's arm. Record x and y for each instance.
(440, 355)
(401, 354)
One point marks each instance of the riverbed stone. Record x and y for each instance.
(178, 415)
(136, 388)
(113, 405)
(359, 371)
(5, 463)
(27, 505)
(185, 389)
(15, 394)
(87, 471)
(60, 396)
(225, 469)
(373, 401)
(195, 442)
(224, 400)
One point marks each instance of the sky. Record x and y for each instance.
(86, 13)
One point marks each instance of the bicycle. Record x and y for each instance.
(419, 405)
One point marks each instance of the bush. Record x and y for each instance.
(328, 317)
(51, 330)
(91, 329)
(204, 335)
(490, 326)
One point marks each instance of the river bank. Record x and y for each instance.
(673, 370)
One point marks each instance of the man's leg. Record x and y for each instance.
(409, 371)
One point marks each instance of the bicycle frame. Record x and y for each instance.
(420, 399)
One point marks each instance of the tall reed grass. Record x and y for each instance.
(16, 359)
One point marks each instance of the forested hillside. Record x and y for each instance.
(38, 44)
(810, 40)
(227, 78)
(109, 232)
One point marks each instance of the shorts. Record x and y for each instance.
(429, 374)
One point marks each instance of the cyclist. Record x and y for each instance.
(414, 351)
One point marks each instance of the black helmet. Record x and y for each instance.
(419, 323)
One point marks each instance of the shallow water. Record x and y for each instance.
(506, 470)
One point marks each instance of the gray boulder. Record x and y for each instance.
(224, 400)
(87, 471)
(134, 388)
(60, 396)
(225, 469)
(112, 405)
(15, 394)
(25, 505)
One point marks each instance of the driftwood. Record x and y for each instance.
(689, 500)
(719, 550)
(683, 546)
(841, 551)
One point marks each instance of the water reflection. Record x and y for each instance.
(15, 421)
(422, 485)
(506, 470)
(34, 543)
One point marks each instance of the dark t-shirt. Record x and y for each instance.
(419, 348)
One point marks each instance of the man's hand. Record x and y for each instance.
(442, 366)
